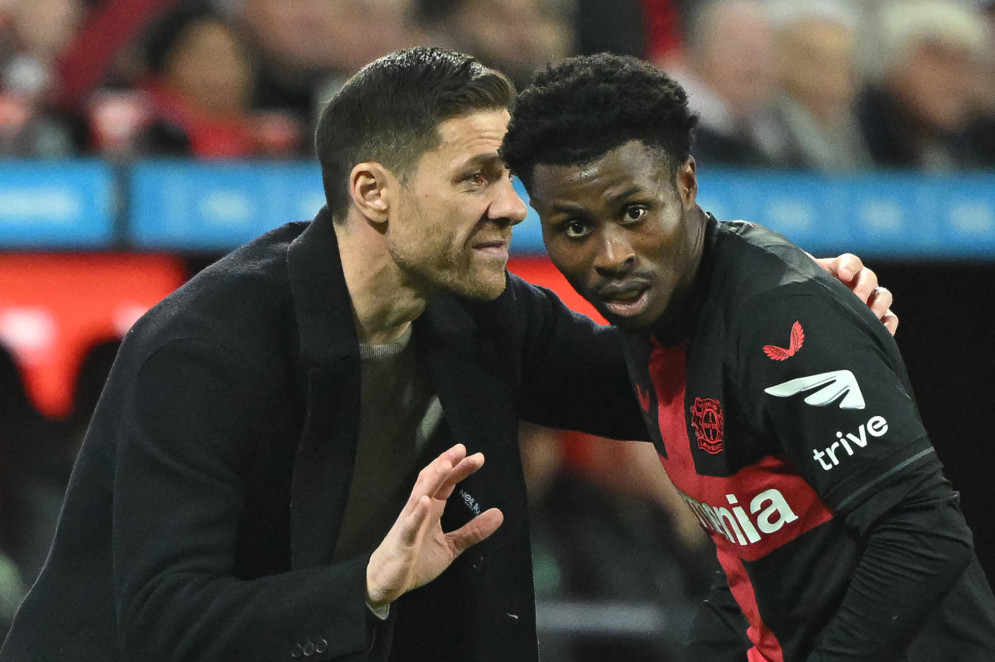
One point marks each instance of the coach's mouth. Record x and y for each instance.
(497, 249)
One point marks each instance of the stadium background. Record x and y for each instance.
(93, 236)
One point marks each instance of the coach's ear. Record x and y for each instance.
(687, 183)
(370, 187)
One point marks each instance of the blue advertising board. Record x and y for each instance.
(177, 205)
(196, 206)
(893, 215)
(55, 205)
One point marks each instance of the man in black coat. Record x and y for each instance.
(237, 495)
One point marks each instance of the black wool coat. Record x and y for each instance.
(205, 503)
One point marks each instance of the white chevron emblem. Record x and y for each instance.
(831, 386)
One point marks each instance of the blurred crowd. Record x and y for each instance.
(831, 85)
(825, 85)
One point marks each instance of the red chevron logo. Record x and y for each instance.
(781, 353)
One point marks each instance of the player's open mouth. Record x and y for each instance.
(628, 302)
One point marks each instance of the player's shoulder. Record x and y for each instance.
(763, 286)
(753, 266)
(759, 258)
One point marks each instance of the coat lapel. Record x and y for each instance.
(330, 374)
(478, 406)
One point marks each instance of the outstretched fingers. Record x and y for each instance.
(436, 474)
(416, 550)
(478, 529)
(466, 466)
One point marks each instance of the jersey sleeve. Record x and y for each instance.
(824, 383)
(574, 373)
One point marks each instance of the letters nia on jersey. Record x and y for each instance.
(744, 524)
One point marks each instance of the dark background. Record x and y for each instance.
(947, 335)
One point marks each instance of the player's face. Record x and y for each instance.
(623, 229)
(456, 211)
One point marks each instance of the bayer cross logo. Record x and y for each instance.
(706, 417)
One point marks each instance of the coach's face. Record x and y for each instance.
(624, 229)
(457, 209)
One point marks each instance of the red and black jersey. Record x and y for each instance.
(782, 411)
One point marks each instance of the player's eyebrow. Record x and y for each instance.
(567, 207)
(615, 198)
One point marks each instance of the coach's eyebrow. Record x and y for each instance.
(482, 160)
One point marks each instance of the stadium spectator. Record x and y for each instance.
(309, 47)
(87, 387)
(515, 36)
(819, 80)
(982, 130)
(730, 72)
(33, 33)
(32, 482)
(924, 95)
(14, 405)
(665, 20)
(200, 91)
(101, 52)
(617, 27)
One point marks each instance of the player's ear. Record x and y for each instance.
(687, 183)
(370, 186)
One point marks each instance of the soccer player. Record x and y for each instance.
(779, 406)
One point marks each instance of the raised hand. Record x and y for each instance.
(416, 550)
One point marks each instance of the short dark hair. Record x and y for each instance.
(390, 111)
(576, 111)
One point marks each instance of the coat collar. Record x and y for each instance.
(322, 304)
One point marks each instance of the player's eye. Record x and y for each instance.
(575, 229)
(634, 213)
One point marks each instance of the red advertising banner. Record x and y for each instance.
(54, 307)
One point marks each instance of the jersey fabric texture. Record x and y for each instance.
(782, 411)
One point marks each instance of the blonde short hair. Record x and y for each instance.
(905, 25)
